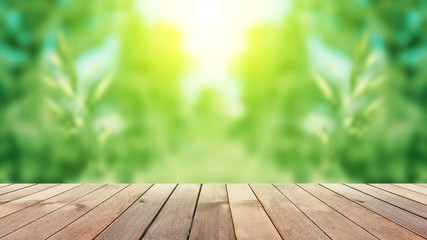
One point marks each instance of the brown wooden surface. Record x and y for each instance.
(289, 220)
(332, 222)
(404, 218)
(174, 220)
(213, 217)
(132, 223)
(373, 223)
(250, 219)
(396, 200)
(421, 188)
(213, 211)
(404, 192)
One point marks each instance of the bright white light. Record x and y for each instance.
(213, 34)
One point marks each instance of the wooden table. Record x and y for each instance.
(213, 211)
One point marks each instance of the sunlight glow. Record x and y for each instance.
(213, 34)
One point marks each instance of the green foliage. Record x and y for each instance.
(106, 99)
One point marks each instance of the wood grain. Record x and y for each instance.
(92, 223)
(249, 218)
(413, 187)
(51, 223)
(12, 187)
(213, 217)
(393, 213)
(133, 223)
(289, 220)
(401, 202)
(23, 192)
(372, 222)
(213, 211)
(331, 222)
(409, 194)
(19, 219)
(32, 199)
(177, 214)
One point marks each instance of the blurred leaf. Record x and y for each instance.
(102, 87)
(68, 66)
(49, 82)
(372, 107)
(325, 88)
(65, 87)
(54, 107)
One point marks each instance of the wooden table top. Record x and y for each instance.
(213, 211)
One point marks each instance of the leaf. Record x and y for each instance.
(63, 46)
(348, 121)
(324, 87)
(65, 87)
(335, 72)
(371, 108)
(371, 59)
(362, 50)
(68, 66)
(52, 105)
(361, 87)
(377, 81)
(55, 60)
(49, 82)
(91, 73)
(102, 87)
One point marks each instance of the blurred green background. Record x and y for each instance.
(213, 91)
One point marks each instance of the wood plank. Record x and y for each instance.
(372, 222)
(393, 213)
(19, 219)
(213, 217)
(19, 204)
(134, 221)
(422, 184)
(177, 214)
(415, 196)
(404, 203)
(249, 218)
(91, 224)
(4, 184)
(414, 188)
(51, 223)
(289, 220)
(12, 188)
(23, 192)
(330, 221)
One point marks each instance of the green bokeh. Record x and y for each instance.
(92, 92)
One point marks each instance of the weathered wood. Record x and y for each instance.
(55, 221)
(404, 203)
(18, 219)
(32, 199)
(92, 223)
(177, 214)
(213, 211)
(416, 196)
(393, 213)
(413, 187)
(249, 218)
(288, 219)
(4, 184)
(13, 187)
(213, 218)
(132, 223)
(23, 192)
(331, 222)
(372, 222)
